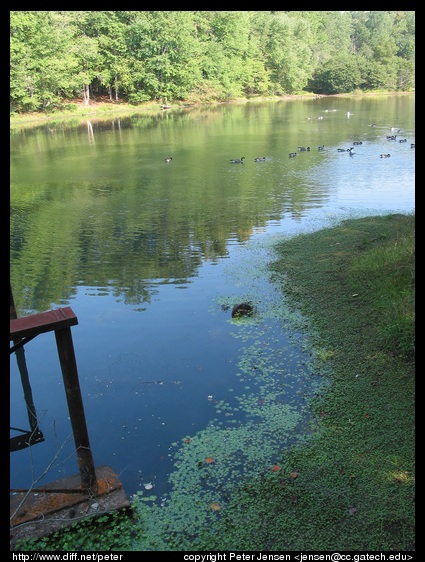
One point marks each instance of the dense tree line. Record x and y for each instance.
(133, 56)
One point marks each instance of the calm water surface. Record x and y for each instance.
(151, 256)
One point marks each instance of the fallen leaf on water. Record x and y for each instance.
(187, 440)
(209, 460)
(352, 510)
(215, 506)
(293, 475)
(276, 468)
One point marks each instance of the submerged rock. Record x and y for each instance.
(242, 309)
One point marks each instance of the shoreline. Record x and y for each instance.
(98, 110)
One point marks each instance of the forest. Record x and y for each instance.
(59, 58)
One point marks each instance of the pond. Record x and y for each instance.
(152, 255)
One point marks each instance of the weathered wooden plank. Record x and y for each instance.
(46, 509)
(52, 320)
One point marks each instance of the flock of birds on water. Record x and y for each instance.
(320, 148)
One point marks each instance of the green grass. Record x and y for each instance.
(350, 484)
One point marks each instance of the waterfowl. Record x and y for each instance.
(260, 159)
(168, 159)
(402, 140)
(345, 149)
(357, 143)
(385, 155)
(303, 148)
(238, 160)
(321, 147)
(292, 154)
(412, 145)
(391, 137)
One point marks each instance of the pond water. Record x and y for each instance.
(151, 256)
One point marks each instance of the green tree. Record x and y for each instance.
(289, 52)
(110, 30)
(330, 34)
(404, 24)
(339, 75)
(23, 95)
(46, 72)
(225, 62)
(204, 55)
(166, 53)
(374, 75)
(388, 38)
(85, 54)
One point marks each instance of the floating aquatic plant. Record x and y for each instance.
(249, 431)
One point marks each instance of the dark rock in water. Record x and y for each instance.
(242, 309)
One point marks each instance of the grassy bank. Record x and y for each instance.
(354, 484)
(74, 113)
(77, 112)
(350, 486)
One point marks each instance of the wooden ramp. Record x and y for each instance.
(62, 503)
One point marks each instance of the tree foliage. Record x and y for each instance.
(137, 56)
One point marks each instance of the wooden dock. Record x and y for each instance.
(40, 511)
(46, 509)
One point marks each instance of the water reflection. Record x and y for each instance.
(147, 254)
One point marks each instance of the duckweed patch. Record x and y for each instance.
(354, 488)
(247, 437)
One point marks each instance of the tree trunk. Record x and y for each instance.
(116, 89)
(86, 94)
